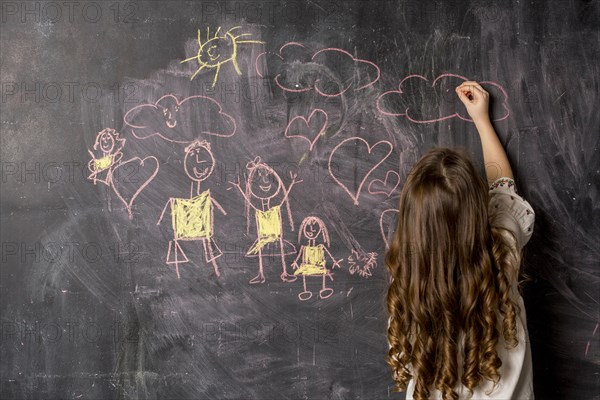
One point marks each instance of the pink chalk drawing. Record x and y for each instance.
(402, 109)
(193, 218)
(321, 54)
(180, 121)
(305, 128)
(313, 255)
(587, 346)
(383, 221)
(150, 164)
(108, 146)
(386, 186)
(362, 264)
(294, 52)
(263, 185)
(381, 144)
(296, 80)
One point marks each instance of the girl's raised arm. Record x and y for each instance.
(476, 101)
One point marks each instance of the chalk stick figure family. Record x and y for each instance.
(264, 193)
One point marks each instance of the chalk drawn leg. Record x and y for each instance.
(284, 275)
(108, 197)
(175, 247)
(307, 294)
(214, 263)
(210, 255)
(325, 292)
(260, 278)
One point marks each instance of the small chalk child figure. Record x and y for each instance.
(313, 256)
(109, 145)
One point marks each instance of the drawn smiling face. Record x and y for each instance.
(107, 142)
(170, 115)
(199, 163)
(312, 230)
(264, 182)
(216, 51)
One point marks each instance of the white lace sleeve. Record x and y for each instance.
(510, 211)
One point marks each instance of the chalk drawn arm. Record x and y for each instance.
(289, 189)
(91, 164)
(285, 197)
(162, 214)
(118, 158)
(216, 203)
(295, 263)
(239, 187)
(336, 263)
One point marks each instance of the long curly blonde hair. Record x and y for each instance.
(451, 273)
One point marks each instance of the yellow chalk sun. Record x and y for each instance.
(218, 50)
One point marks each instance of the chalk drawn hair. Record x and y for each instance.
(252, 167)
(115, 135)
(445, 254)
(322, 227)
(197, 144)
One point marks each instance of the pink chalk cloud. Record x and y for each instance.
(422, 101)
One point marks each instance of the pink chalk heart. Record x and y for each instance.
(386, 186)
(131, 177)
(366, 149)
(309, 129)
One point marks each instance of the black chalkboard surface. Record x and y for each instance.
(196, 196)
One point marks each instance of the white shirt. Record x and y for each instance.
(510, 211)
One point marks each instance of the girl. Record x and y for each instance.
(457, 325)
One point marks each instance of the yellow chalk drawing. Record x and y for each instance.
(263, 188)
(191, 217)
(218, 50)
(108, 156)
(313, 261)
(313, 256)
(269, 228)
(362, 263)
(103, 163)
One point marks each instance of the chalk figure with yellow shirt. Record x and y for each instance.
(265, 193)
(313, 256)
(192, 218)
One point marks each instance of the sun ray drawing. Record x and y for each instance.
(219, 49)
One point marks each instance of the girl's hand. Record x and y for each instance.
(475, 99)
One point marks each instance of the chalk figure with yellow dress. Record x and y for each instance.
(192, 218)
(313, 256)
(266, 194)
(108, 145)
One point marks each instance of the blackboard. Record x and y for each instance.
(113, 112)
